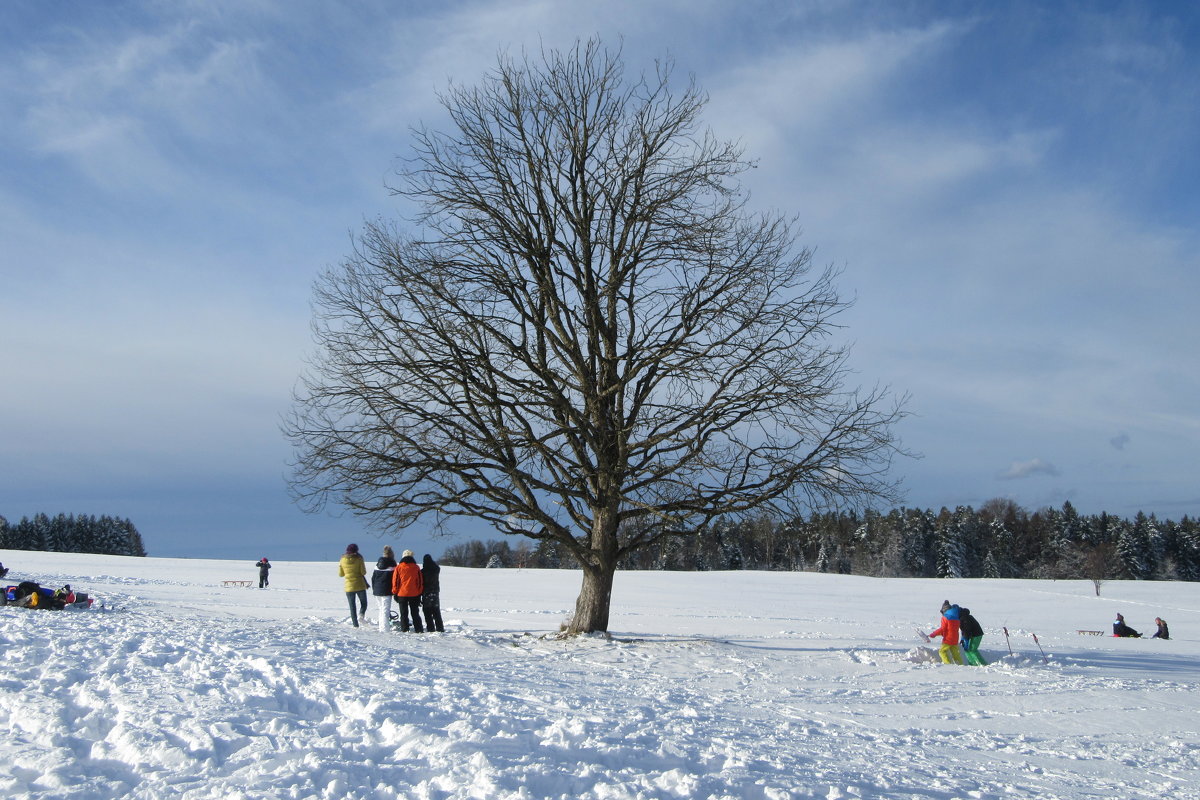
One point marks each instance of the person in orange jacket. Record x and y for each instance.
(949, 632)
(407, 586)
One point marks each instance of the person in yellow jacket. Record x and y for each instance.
(354, 570)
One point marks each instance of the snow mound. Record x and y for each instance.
(922, 655)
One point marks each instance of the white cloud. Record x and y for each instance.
(173, 179)
(1027, 469)
(786, 100)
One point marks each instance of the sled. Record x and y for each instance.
(82, 600)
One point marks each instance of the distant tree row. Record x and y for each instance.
(70, 533)
(998, 540)
(495, 554)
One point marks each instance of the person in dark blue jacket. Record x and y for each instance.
(381, 587)
(1121, 629)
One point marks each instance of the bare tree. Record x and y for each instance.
(583, 336)
(1097, 564)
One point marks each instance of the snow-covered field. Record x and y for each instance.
(715, 685)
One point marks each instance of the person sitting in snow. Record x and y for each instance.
(972, 635)
(3, 570)
(264, 567)
(29, 594)
(949, 632)
(1121, 629)
(1162, 632)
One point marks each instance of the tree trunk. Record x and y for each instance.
(591, 608)
(595, 596)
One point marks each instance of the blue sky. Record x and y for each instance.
(1010, 188)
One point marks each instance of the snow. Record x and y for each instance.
(713, 685)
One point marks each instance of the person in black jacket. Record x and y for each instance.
(264, 567)
(1121, 629)
(972, 633)
(381, 586)
(431, 605)
(1163, 632)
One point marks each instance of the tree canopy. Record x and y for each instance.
(585, 335)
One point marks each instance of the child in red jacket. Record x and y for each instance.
(949, 632)
(407, 586)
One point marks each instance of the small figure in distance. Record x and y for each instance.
(352, 568)
(1163, 632)
(406, 585)
(949, 633)
(1121, 629)
(431, 588)
(3, 570)
(264, 567)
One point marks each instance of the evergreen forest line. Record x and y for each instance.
(998, 540)
(71, 533)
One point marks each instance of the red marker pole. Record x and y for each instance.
(1039, 644)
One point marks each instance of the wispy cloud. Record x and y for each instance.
(1027, 469)
(121, 105)
(1011, 194)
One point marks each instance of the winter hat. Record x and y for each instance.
(351, 548)
(407, 553)
(945, 604)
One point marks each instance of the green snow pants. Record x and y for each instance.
(971, 651)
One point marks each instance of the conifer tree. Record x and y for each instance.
(1133, 548)
(822, 563)
(951, 547)
(990, 568)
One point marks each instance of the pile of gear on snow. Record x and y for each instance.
(28, 594)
